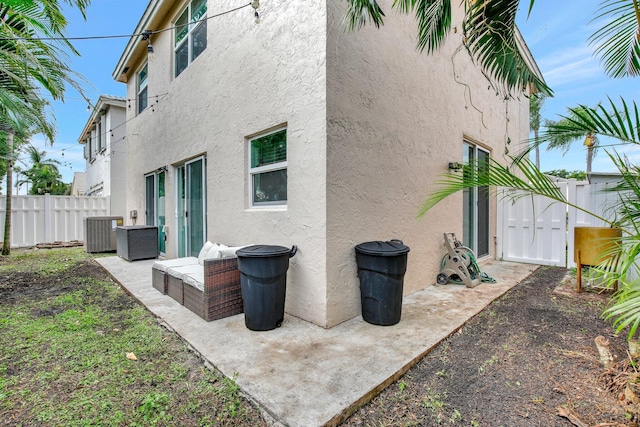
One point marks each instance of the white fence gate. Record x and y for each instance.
(46, 219)
(539, 231)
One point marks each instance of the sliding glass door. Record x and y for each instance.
(155, 213)
(475, 207)
(191, 207)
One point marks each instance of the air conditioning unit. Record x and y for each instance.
(100, 233)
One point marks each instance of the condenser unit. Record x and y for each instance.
(100, 233)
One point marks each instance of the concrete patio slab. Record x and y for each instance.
(304, 375)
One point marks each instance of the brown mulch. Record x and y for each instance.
(528, 359)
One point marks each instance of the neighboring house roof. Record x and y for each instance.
(103, 103)
(79, 184)
(604, 177)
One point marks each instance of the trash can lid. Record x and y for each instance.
(257, 251)
(390, 248)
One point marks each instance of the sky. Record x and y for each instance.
(97, 61)
(556, 32)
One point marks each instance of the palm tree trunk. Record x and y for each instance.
(589, 160)
(6, 244)
(535, 135)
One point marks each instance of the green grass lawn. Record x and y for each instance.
(68, 334)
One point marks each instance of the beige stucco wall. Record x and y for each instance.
(372, 123)
(396, 117)
(249, 79)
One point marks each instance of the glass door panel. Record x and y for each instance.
(150, 207)
(482, 238)
(195, 202)
(155, 206)
(475, 203)
(191, 207)
(468, 201)
(161, 218)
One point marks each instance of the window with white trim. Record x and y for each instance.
(190, 35)
(143, 78)
(268, 169)
(99, 135)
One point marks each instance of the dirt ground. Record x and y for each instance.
(529, 359)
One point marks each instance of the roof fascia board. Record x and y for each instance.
(147, 17)
(103, 102)
(527, 55)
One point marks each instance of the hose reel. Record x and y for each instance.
(459, 265)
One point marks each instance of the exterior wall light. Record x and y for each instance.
(455, 166)
(255, 4)
(146, 35)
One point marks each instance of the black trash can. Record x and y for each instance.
(263, 279)
(381, 268)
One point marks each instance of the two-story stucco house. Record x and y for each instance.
(105, 152)
(294, 131)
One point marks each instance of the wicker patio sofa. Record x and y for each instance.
(208, 285)
(160, 279)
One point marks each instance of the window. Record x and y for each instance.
(190, 35)
(99, 135)
(143, 99)
(268, 169)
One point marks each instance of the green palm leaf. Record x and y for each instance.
(617, 42)
(490, 35)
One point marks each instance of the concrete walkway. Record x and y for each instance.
(303, 375)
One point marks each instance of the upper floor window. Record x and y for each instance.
(268, 171)
(190, 34)
(99, 136)
(143, 99)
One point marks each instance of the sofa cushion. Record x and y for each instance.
(195, 279)
(176, 262)
(214, 252)
(230, 252)
(179, 272)
(203, 252)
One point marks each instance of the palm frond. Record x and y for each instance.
(617, 43)
(523, 176)
(360, 12)
(434, 21)
(491, 38)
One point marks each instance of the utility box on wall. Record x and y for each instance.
(100, 233)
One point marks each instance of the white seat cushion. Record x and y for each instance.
(230, 252)
(195, 279)
(214, 252)
(176, 262)
(179, 272)
(203, 252)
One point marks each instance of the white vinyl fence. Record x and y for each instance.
(46, 219)
(539, 231)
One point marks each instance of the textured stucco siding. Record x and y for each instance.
(396, 117)
(117, 150)
(108, 170)
(251, 78)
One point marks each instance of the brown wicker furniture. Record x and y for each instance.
(208, 285)
(219, 295)
(159, 275)
(175, 288)
(136, 242)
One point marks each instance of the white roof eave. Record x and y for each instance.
(119, 73)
